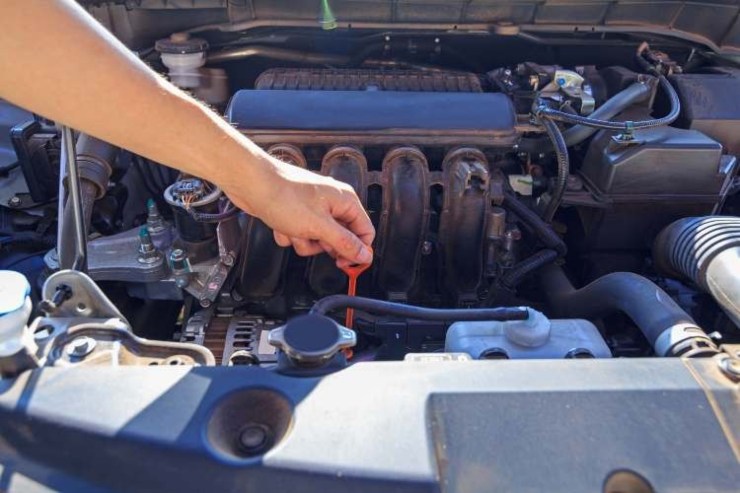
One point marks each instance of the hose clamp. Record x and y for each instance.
(685, 340)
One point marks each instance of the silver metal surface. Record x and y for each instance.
(75, 200)
(86, 299)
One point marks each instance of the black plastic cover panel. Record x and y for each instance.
(710, 104)
(368, 111)
(320, 79)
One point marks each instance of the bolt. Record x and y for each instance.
(80, 347)
(731, 366)
(145, 241)
(14, 201)
(154, 220)
(61, 294)
(148, 253)
(179, 260)
(205, 302)
(426, 248)
(254, 438)
(227, 259)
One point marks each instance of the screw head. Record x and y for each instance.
(80, 347)
(14, 201)
(731, 366)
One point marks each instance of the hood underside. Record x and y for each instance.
(712, 23)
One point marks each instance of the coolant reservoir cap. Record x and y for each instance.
(14, 289)
(180, 44)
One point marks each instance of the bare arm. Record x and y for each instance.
(58, 61)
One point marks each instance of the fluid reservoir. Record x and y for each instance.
(16, 341)
(537, 337)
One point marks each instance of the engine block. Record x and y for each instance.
(419, 161)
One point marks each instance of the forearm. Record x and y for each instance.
(75, 72)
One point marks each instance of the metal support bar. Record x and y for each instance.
(75, 201)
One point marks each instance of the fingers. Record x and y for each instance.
(281, 239)
(351, 213)
(303, 247)
(345, 244)
(306, 248)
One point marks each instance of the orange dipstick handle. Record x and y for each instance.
(353, 272)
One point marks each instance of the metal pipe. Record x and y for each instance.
(283, 54)
(75, 202)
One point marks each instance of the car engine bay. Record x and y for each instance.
(489, 191)
(539, 192)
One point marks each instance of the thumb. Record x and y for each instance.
(345, 244)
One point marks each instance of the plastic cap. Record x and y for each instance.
(14, 289)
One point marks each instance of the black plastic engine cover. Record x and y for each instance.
(488, 117)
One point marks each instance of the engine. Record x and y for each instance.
(485, 189)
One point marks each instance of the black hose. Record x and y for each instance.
(339, 301)
(520, 271)
(544, 111)
(535, 223)
(203, 217)
(667, 327)
(561, 180)
(633, 94)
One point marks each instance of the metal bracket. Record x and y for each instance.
(84, 298)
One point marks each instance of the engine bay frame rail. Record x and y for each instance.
(411, 426)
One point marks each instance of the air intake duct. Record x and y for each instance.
(705, 250)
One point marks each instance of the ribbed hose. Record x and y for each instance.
(553, 114)
(561, 180)
(633, 94)
(540, 228)
(339, 301)
(705, 250)
(667, 327)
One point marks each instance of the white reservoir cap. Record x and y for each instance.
(14, 289)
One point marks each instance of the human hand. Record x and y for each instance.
(313, 213)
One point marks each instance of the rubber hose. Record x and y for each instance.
(339, 301)
(667, 327)
(705, 250)
(539, 227)
(527, 266)
(544, 111)
(633, 94)
(561, 180)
